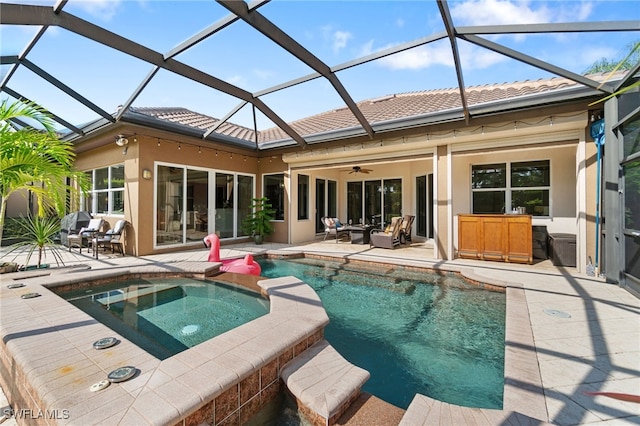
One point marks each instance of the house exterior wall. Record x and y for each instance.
(18, 204)
(447, 150)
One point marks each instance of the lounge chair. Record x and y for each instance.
(112, 238)
(405, 228)
(82, 238)
(332, 226)
(389, 237)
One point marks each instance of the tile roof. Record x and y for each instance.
(397, 106)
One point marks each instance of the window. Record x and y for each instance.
(489, 186)
(631, 136)
(274, 191)
(303, 197)
(106, 195)
(501, 187)
(532, 180)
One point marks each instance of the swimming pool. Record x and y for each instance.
(165, 316)
(415, 332)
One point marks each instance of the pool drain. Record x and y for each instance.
(102, 384)
(190, 329)
(556, 313)
(121, 374)
(105, 343)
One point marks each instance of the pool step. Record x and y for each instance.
(323, 383)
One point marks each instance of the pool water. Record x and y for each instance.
(414, 332)
(165, 316)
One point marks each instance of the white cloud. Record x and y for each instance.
(236, 80)
(337, 38)
(262, 74)
(366, 48)
(501, 12)
(472, 57)
(104, 9)
(419, 58)
(572, 12)
(340, 39)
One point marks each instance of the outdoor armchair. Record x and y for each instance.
(112, 238)
(85, 233)
(389, 237)
(332, 226)
(405, 228)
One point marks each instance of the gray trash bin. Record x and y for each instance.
(540, 239)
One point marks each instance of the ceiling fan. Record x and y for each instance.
(358, 169)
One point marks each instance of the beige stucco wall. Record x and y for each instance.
(407, 171)
(18, 204)
(563, 181)
(442, 184)
(144, 152)
(446, 153)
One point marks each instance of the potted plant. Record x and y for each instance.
(258, 222)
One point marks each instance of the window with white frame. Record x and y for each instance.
(502, 187)
(106, 196)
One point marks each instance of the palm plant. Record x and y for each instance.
(630, 61)
(35, 160)
(39, 233)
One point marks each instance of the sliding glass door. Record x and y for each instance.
(326, 201)
(191, 203)
(374, 201)
(424, 206)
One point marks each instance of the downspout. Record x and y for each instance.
(597, 133)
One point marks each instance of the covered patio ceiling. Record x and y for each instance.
(143, 68)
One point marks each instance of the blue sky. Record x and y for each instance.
(334, 31)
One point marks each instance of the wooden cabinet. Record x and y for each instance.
(505, 237)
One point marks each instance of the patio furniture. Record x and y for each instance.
(389, 237)
(71, 224)
(85, 234)
(405, 228)
(110, 239)
(500, 237)
(332, 226)
(360, 234)
(562, 249)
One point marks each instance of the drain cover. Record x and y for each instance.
(18, 285)
(30, 295)
(557, 313)
(104, 343)
(121, 374)
(102, 384)
(190, 329)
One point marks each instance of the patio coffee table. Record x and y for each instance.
(359, 234)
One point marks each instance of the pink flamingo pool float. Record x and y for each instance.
(245, 265)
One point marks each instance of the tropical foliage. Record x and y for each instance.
(35, 159)
(611, 65)
(605, 65)
(39, 234)
(258, 223)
